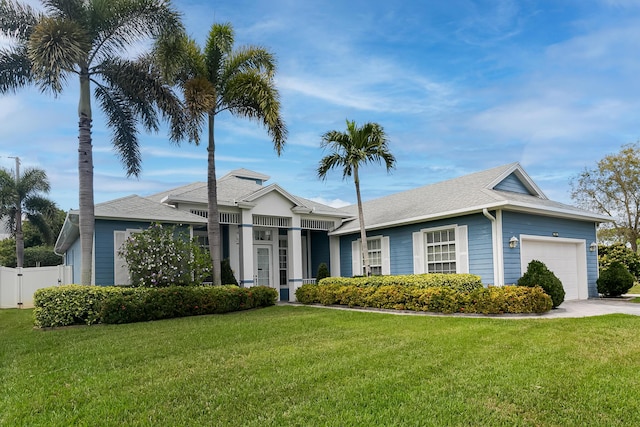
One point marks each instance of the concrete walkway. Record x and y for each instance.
(568, 309)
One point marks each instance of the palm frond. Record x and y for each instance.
(55, 48)
(66, 9)
(41, 224)
(248, 59)
(118, 24)
(253, 95)
(32, 181)
(17, 20)
(219, 45)
(15, 70)
(123, 123)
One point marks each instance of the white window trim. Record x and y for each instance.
(461, 242)
(356, 257)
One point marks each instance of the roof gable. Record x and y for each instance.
(516, 180)
(488, 189)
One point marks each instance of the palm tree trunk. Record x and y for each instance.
(213, 223)
(85, 179)
(364, 250)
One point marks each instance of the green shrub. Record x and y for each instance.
(621, 253)
(161, 256)
(538, 274)
(75, 304)
(615, 280)
(323, 272)
(462, 282)
(441, 299)
(71, 304)
(42, 256)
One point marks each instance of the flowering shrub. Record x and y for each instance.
(161, 256)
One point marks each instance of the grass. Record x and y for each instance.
(310, 366)
(635, 289)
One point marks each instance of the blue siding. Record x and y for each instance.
(514, 224)
(104, 246)
(319, 251)
(104, 249)
(73, 257)
(401, 246)
(512, 183)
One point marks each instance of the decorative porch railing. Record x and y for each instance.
(311, 281)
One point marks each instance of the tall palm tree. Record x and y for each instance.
(88, 40)
(21, 196)
(217, 79)
(349, 150)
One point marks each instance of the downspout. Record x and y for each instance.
(497, 279)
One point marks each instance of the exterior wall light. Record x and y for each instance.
(513, 242)
(555, 234)
(593, 247)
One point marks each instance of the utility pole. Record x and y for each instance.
(17, 166)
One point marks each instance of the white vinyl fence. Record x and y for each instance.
(17, 285)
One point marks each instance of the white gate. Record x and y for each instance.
(17, 285)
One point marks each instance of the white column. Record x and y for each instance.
(234, 250)
(246, 249)
(294, 235)
(334, 255)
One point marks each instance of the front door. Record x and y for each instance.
(262, 265)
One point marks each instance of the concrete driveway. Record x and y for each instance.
(593, 307)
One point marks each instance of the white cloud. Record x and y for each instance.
(335, 203)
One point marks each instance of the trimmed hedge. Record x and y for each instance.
(491, 300)
(461, 282)
(615, 280)
(86, 305)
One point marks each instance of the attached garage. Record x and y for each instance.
(567, 258)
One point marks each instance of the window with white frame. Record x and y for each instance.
(377, 253)
(374, 249)
(441, 250)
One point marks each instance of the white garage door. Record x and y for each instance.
(565, 257)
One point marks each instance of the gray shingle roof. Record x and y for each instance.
(459, 196)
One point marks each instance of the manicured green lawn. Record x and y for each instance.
(310, 366)
(635, 289)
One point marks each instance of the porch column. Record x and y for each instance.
(246, 249)
(294, 236)
(234, 251)
(334, 255)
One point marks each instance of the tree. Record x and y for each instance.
(217, 79)
(613, 188)
(89, 39)
(33, 235)
(21, 196)
(349, 150)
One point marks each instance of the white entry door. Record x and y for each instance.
(262, 265)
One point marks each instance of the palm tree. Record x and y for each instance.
(20, 195)
(217, 79)
(89, 39)
(349, 150)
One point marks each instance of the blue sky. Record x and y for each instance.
(459, 86)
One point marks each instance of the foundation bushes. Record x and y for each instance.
(461, 282)
(439, 299)
(75, 304)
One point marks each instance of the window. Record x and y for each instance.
(374, 247)
(441, 251)
(378, 253)
(262, 235)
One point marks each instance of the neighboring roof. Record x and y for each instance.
(461, 196)
(130, 208)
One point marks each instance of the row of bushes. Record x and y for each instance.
(490, 300)
(460, 282)
(86, 305)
